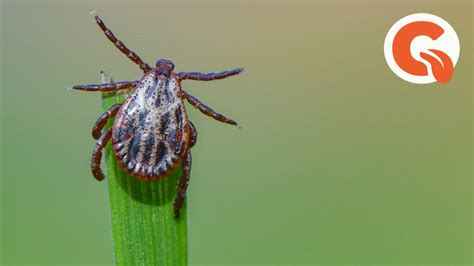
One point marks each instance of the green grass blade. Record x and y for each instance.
(143, 227)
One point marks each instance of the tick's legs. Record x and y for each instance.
(208, 76)
(207, 110)
(102, 120)
(114, 86)
(193, 138)
(97, 154)
(182, 184)
(184, 180)
(119, 44)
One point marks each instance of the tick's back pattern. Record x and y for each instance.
(151, 134)
(151, 131)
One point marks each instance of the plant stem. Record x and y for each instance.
(143, 226)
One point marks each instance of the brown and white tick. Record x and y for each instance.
(151, 134)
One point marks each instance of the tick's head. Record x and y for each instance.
(164, 67)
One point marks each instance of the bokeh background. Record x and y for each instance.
(338, 160)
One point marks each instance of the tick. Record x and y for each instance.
(151, 134)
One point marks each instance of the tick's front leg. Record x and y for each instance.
(208, 76)
(120, 45)
(183, 184)
(97, 155)
(207, 110)
(114, 86)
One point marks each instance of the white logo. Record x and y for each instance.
(422, 48)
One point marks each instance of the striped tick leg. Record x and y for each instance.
(208, 76)
(102, 120)
(194, 135)
(207, 110)
(184, 180)
(114, 86)
(119, 44)
(97, 154)
(182, 185)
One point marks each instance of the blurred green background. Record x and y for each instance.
(338, 160)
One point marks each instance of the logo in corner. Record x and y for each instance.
(422, 48)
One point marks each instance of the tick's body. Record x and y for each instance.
(151, 135)
(151, 130)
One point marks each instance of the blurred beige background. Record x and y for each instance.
(338, 161)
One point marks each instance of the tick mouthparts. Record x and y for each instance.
(92, 12)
